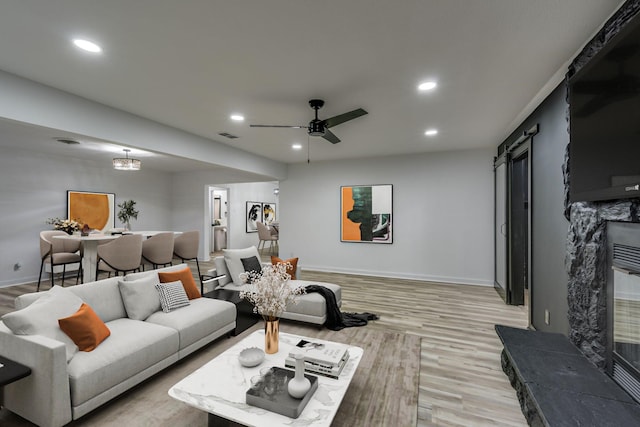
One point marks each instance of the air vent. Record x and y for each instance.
(67, 141)
(627, 381)
(227, 135)
(627, 256)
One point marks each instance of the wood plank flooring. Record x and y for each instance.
(461, 381)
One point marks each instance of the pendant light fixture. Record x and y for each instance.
(126, 164)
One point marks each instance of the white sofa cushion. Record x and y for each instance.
(104, 298)
(233, 259)
(313, 304)
(132, 347)
(198, 320)
(310, 305)
(140, 296)
(41, 317)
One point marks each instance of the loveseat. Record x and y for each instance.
(311, 307)
(65, 383)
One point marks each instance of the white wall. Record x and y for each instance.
(442, 216)
(34, 188)
(239, 195)
(192, 209)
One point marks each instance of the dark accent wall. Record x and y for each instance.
(574, 233)
(587, 238)
(548, 284)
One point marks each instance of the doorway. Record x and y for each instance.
(512, 226)
(219, 218)
(519, 230)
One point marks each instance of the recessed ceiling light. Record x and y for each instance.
(427, 85)
(431, 132)
(237, 117)
(87, 45)
(297, 146)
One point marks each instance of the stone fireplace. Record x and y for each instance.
(587, 260)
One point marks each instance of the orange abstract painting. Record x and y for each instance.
(94, 209)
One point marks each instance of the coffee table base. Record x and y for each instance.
(216, 421)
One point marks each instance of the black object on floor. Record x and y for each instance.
(557, 386)
(337, 320)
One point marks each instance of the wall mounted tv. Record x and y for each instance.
(604, 99)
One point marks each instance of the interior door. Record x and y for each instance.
(500, 229)
(519, 229)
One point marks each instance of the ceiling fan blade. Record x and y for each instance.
(278, 126)
(329, 136)
(341, 118)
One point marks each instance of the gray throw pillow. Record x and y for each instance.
(172, 296)
(140, 297)
(41, 317)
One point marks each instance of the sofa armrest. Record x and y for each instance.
(43, 397)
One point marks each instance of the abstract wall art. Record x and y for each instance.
(253, 215)
(366, 213)
(268, 213)
(97, 210)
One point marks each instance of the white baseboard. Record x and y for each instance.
(395, 275)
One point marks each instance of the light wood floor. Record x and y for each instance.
(461, 381)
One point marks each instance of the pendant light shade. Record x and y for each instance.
(126, 164)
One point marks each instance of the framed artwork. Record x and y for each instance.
(97, 210)
(253, 214)
(366, 213)
(268, 213)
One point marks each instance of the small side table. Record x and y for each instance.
(246, 318)
(11, 371)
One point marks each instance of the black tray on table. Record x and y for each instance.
(272, 394)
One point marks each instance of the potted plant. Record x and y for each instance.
(127, 212)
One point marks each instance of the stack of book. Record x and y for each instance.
(326, 359)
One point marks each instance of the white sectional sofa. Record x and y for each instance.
(64, 386)
(311, 307)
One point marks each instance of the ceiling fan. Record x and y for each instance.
(317, 127)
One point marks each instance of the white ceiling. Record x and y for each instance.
(190, 64)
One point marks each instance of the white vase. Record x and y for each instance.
(299, 385)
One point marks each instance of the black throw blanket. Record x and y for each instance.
(336, 320)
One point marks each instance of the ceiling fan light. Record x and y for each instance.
(316, 128)
(125, 163)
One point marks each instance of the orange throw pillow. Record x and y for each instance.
(186, 277)
(291, 270)
(85, 328)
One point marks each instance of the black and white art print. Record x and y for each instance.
(253, 215)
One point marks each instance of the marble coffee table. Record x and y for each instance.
(219, 387)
